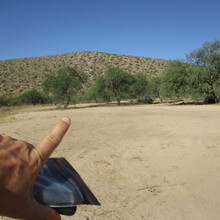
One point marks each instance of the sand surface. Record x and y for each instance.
(142, 162)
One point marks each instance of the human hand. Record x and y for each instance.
(20, 163)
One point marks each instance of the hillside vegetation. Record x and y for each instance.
(19, 75)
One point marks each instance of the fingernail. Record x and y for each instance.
(66, 120)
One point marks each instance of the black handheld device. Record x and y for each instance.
(59, 186)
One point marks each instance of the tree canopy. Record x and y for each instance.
(118, 82)
(140, 87)
(155, 88)
(99, 90)
(64, 84)
(198, 77)
(207, 62)
(175, 79)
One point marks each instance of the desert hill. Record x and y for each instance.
(18, 75)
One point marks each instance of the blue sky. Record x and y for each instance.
(166, 29)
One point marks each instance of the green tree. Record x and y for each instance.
(99, 90)
(64, 84)
(207, 60)
(175, 81)
(156, 88)
(197, 84)
(118, 82)
(140, 87)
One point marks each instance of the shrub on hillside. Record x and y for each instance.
(33, 97)
(9, 101)
(3, 101)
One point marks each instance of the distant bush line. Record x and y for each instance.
(197, 78)
(31, 97)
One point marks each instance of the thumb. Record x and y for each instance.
(53, 139)
(39, 211)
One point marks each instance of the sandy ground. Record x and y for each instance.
(142, 162)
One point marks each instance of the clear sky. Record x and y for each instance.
(166, 29)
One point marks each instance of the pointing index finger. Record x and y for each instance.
(53, 139)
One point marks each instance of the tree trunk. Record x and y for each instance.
(215, 97)
(213, 94)
(118, 101)
(66, 104)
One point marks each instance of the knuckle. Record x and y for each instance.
(22, 143)
(53, 139)
(21, 146)
(6, 139)
(37, 159)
